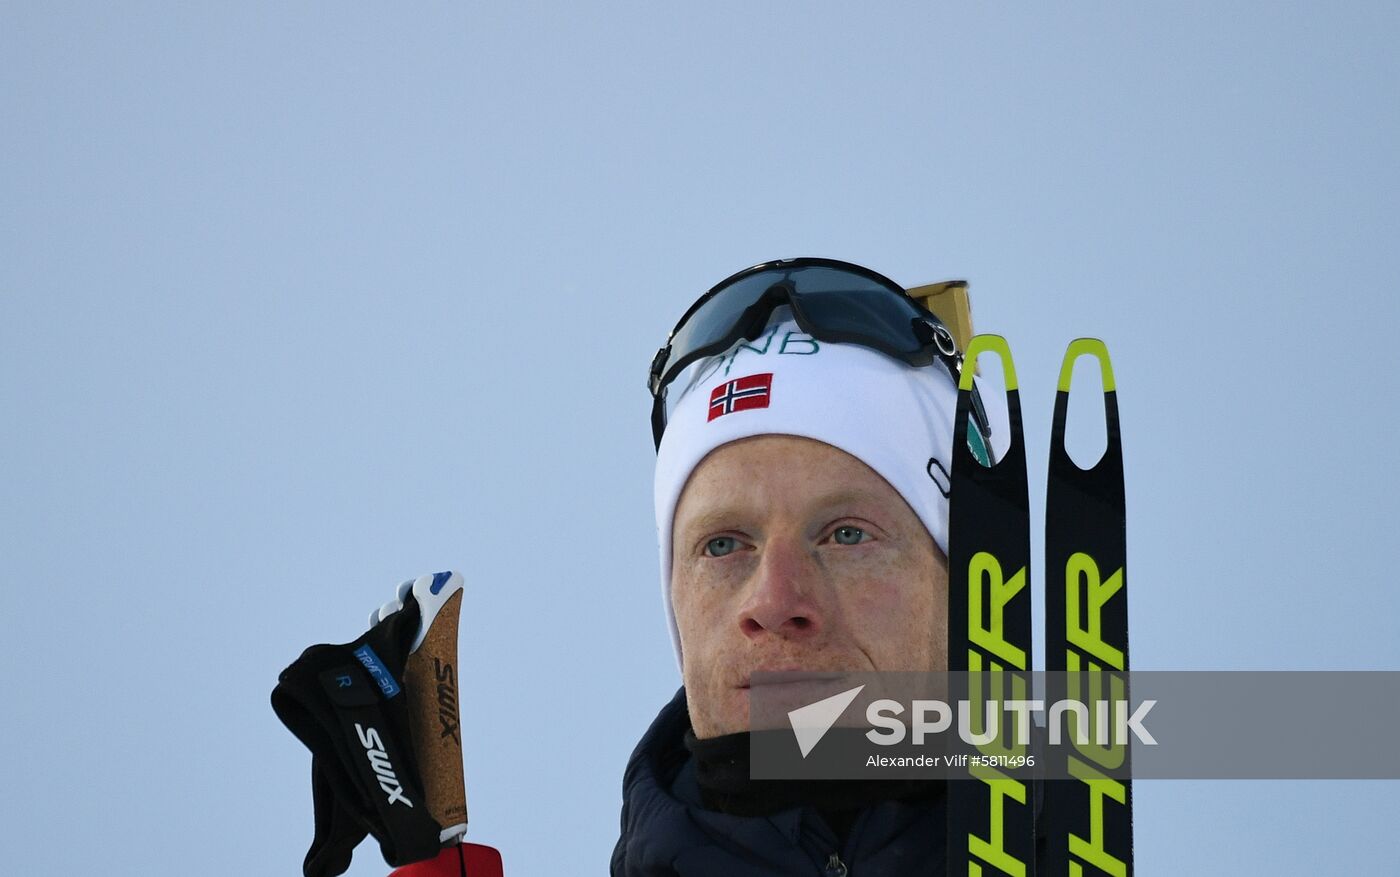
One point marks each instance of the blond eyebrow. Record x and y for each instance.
(724, 516)
(721, 518)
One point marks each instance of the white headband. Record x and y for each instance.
(896, 419)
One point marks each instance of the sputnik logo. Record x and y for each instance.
(811, 722)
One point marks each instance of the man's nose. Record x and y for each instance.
(783, 596)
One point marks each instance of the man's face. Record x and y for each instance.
(788, 554)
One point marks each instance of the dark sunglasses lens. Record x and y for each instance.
(856, 306)
(714, 319)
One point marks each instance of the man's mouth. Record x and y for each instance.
(789, 676)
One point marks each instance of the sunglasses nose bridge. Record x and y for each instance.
(755, 317)
(781, 292)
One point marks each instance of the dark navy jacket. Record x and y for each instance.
(666, 830)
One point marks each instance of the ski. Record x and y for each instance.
(991, 825)
(1087, 821)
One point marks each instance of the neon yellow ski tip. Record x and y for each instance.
(1081, 347)
(981, 344)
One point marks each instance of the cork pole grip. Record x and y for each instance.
(432, 679)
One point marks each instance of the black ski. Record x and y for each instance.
(991, 826)
(1087, 821)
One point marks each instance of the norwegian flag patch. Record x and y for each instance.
(741, 394)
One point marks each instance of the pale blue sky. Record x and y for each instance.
(300, 301)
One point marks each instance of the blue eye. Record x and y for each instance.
(848, 535)
(720, 546)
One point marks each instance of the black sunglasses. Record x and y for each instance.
(830, 300)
